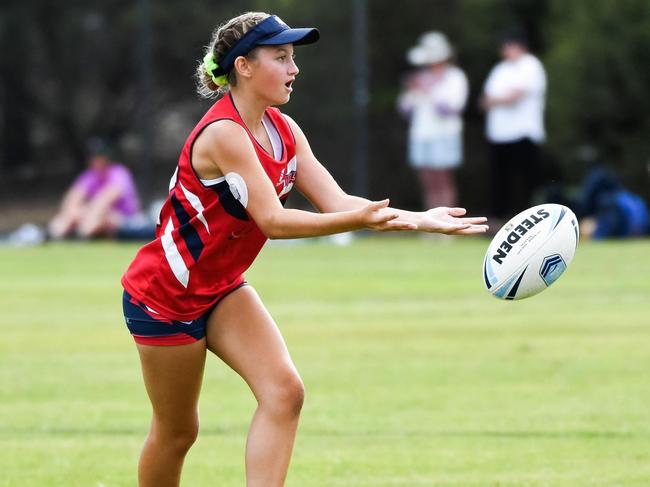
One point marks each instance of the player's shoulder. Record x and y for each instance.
(223, 139)
(223, 128)
(224, 133)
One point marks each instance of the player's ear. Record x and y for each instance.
(243, 67)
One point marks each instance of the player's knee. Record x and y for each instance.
(182, 441)
(286, 397)
(296, 397)
(178, 437)
(291, 396)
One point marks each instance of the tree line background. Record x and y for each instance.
(75, 69)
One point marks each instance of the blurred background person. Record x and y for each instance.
(433, 99)
(100, 201)
(607, 209)
(513, 99)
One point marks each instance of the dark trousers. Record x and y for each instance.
(515, 176)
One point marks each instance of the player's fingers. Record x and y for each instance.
(400, 225)
(386, 217)
(405, 225)
(474, 220)
(473, 230)
(456, 211)
(378, 205)
(452, 229)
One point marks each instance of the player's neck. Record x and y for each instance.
(251, 110)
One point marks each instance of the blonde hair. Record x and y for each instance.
(223, 39)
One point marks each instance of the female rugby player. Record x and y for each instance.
(185, 293)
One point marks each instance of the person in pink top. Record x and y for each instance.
(100, 200)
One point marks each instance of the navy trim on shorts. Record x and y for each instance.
(142, 323)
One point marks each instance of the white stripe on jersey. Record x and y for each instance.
(212, 182)
(172, 181)
(196, 204)
(274, 137)
(173, 256)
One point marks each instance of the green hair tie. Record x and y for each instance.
(210, 64)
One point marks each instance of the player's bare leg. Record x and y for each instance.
(243, 334)
(172, 376)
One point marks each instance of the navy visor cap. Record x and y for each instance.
(272, 31)
(281, 33)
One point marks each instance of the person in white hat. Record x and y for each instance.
(433, 99)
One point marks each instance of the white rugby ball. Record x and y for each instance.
(530, 252)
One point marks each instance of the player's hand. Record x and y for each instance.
(450, 221)
(377, 216)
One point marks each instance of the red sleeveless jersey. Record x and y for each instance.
(205, 239)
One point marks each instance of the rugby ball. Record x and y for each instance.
(530, 252)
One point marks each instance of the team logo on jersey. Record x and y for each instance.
(287, 177)
(239, 234)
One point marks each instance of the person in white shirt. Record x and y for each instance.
(513, 98)
(433, 99)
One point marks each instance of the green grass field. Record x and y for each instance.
(415, 376)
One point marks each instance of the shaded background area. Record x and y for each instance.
(124, 70)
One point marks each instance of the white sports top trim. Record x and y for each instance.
(276, 144)
(274, 136)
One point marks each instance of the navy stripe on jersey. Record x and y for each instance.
(187, 232)
(229, 202)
